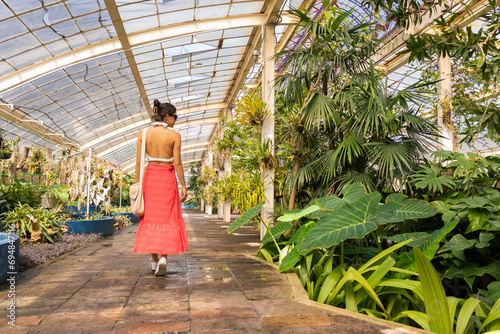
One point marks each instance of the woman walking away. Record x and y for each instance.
(161, 230)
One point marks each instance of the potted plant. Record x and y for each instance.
(116, 211)
(95, 223)
(7, 147)
(54, 193)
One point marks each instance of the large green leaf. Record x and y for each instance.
(429, 247)
(290, 259)
(419, 317)
(436, 304)
(351, 221)
(458, 242)
(329, 203)
(492, 319)
(296, 215)
(411, 208)
(419, 237)
(329, 283)
(307, 226)
(245, 217)
(276, 231)
(353, 275)
(441, 206)
(353, 192)
(477, 217)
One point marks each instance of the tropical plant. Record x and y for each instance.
(35, 225)
(36, 160)
(251, 108)
(449, 315)
(21, 192)
(370, 133)
(121, 222)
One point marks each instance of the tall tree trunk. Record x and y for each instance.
(296, 167)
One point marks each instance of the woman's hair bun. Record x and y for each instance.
(160, 110)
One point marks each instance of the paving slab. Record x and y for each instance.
(218, 286)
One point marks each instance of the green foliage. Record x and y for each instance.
(347, 125)
(126, 182)
(251, 109)
(437, 311)
(35, 225)
(431, 179)
(19, 193)
(358, 214)
(58, 191)
(246, 217)
(110, 210)
(36, 160)
(445, 315)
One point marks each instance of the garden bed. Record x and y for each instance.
(34, 254)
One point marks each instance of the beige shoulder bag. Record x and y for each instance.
(135, 192)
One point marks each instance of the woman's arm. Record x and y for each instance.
(138, 159)
(179, 169)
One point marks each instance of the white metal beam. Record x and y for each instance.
(8, 113)
(177, 126)
(134, 124)
(114, 45)
(184, 164)
(114, 14)
(127, 123)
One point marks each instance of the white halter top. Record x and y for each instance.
(148, 158)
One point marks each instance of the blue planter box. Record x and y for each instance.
(104, 226)
(4, 255)
(134, 219)
(83, 210)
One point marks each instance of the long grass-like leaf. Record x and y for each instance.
(419, 317)
(328, 284)
(436, 305)
(492, 316)
(464, 317)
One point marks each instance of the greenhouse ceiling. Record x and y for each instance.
(84, 73)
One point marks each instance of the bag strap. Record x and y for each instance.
(143, 154)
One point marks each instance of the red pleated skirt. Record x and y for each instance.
(161, 229)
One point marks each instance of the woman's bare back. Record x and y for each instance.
(160, 143)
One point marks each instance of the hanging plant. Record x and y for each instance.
(36, 160)
(251, 108)
(265, 155)
(227, 186)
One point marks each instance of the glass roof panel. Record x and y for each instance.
(92, 97)
(247, 7)
(211, 12)
(179, 17)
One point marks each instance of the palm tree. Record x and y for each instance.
(332, 92)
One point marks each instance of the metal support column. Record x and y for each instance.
(202, 202)
(219, 196)
(226, 206)
(268, 51)
(220, 174)
(210, 164)
(89, 175)
(445, 122)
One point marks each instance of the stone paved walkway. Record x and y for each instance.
(216, 287)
